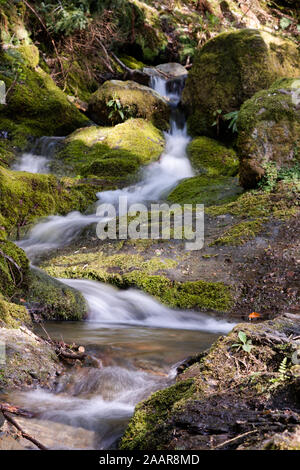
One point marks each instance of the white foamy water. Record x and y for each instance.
(111, 306)
(157, 180)
(102, 401)
(37, 161)
(32, 164)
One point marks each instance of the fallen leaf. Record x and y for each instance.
(254, 315)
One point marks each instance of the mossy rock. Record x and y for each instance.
(133, 142)
(52, 300)
(13, 315)
(132, 63)
(281, 203)
(35, 105)
(14, 268)
(186, 415)
(212, 158)
(24, 197)
(207, 190)
(269, 131)
(230, 68)
(148, 428)
(136, 101)
(116, 163)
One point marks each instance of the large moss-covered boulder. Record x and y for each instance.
(116, 101)
(35, 105)
(212, 158)
(230, 68)
(269, 131)
(111, 151)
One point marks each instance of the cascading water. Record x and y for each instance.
(109, 306)
(135, 338)
(38, 160)
(158, 179)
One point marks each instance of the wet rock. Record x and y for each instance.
(50, 299)
(29, 360)
(134, 101)
(269, 131)
(170, 70)
(56, 435)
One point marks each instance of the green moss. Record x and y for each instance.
(26, 196)
(52, 299)
(149, 428)
(132, 63)
(116, 163)
(141, 274)
(240, 233)
(14, 268)
(212, 158)
(35, 102)
(230, 68)
(12, 315)
(127, 144)
(205, 190)
(269, 130)
(137, 101)
(282, 203)
(7, 153)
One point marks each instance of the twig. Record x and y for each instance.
(229, 441)
(23, 433)
(6, 407)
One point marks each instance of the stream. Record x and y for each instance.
(136, 342)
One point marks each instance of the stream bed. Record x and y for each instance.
(136, 343)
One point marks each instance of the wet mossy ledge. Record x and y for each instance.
(49, 299)
(253, 210)
(24, 197)
(212, 158)
(150, 275)
(113, 152)
(218, 386)
(229, 69)
(217, 167)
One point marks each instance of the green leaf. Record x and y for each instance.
(285, 23)
(247, 347)
(243, 337)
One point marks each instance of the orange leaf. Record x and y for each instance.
(254, 315)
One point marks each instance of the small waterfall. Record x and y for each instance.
(157, 180)
(109, 306)
(38, 160)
